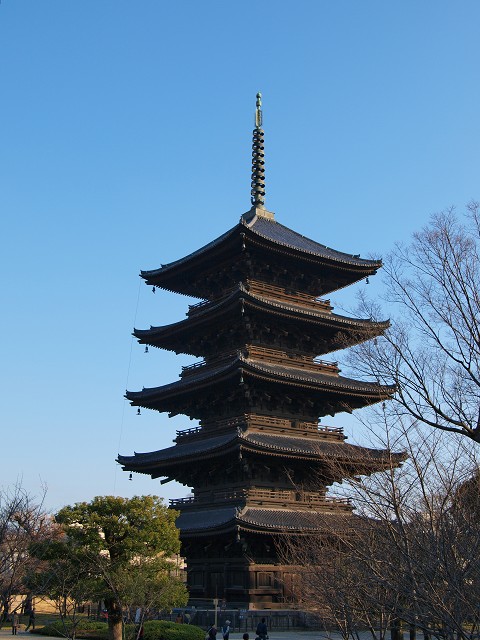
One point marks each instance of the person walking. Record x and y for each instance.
(262, 631)
(226, 629)
(212, 633)
(31, 620)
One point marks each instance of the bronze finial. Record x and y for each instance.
(258, 158)
(258, 112)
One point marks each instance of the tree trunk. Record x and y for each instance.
(115, 620)
(4, 616)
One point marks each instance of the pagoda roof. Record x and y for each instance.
(256, 519)
(208, 376)
(173, 336)
(283, 236)
(280, 445)
(271, 236)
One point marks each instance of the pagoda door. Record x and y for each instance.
(217, 584)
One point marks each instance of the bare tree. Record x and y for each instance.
(23, 521)
(61, 576)
(432, 349)
(411, 550)
(332, 581)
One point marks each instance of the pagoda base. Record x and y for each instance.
(227, 572)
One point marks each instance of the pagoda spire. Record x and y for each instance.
(258, 158)
(258, 167)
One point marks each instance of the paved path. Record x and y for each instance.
(273, 635)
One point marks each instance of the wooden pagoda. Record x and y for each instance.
(259, 462)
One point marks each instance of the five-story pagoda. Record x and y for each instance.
(259, 462)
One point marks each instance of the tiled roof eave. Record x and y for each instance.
(165, 268)
(322, 252)
(199, 316)
(276, 445)
(262, 521)
(257, 301)
(280, 374)
(283, 528)
(335, 384)
(202, 378)
(212, 446)
(315, 259)
(154, 466)
(331, 318)
(351, 453)
(332, 256)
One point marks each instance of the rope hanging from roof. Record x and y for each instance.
(258, 158)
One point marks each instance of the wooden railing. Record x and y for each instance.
(192, 368)
(289, 358)
(262, 423)
(257, 496)
(273, 356)
(189, 432)
(282, 294)
(198, 306)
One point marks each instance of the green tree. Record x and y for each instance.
(120, 542)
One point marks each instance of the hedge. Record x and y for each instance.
(152, 630)
(84, 629)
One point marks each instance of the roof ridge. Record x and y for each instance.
(334, 254)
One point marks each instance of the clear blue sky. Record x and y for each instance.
(125, 143)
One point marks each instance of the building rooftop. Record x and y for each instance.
(209, 521)
(175, 335)
(283, 445)
(209, 374)
(271, 233)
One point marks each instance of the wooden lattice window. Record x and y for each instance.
(265, 579)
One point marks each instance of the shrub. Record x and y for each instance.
(163, 630)
(152, 630)
(92, 629)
